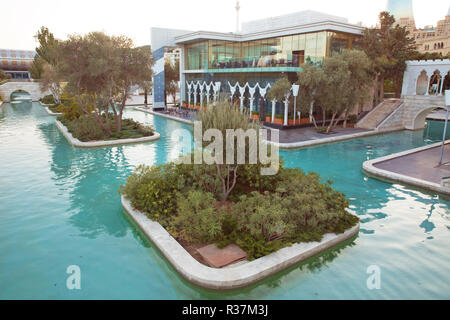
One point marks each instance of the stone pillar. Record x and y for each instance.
(286, 106)
(242, 92)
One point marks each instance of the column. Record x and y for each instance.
(286, 105)
(273, 109)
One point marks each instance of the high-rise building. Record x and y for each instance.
(401, 8)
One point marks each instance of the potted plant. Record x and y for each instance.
(197, 106)
(255, 115)
(268, 119)
(185, 104)
(279, 119)
(352, 119)
(304, 120)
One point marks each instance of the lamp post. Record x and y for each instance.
(295, 88)
(447, 105)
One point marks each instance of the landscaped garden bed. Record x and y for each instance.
(83, 131)
(199, 204)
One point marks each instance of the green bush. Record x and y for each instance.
(48, 99)
(312, 205)
(153, 190)
(321, 129)
(200, 177)
(262, 216)
(84, 128)
(353, 118)
(198, 219)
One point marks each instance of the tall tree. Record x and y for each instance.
(337, 87)
(388, 47)
(171, 78)
(46, 62)
(100, 71)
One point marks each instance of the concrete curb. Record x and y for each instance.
(231, 277)
(165, 116)
(93, 144)
(369, 167)
(310, 143)
(49, 112)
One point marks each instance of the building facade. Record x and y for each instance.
(432, 39)
(16, 63)
(264, 51)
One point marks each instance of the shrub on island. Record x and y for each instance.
(262, 215)
(85, 128)
(234, 203)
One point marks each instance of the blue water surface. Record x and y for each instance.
(59, 206)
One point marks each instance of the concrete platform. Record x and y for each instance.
(310, 133)
(237, 275)
(219, 258)
(417, 167)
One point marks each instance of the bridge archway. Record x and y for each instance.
(420, 118)
(422, 83)
(20, 95)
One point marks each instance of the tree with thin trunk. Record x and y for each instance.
(100, 71)
(222, 117)
(388, 46)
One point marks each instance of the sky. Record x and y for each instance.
(22, 18)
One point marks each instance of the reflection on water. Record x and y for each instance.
(60, 206)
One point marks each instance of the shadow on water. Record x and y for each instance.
(21, 107)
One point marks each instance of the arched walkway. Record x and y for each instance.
(422, 83)
(425, 77)
(420, 118)
(20, 95)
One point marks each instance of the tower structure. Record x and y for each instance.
(238, 7)
(403, 12)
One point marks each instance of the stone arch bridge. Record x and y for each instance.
(33, 88)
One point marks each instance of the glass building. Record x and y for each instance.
(264, 51)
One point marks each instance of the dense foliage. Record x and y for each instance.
(264, 213)
(388, 46)
(48, 99)
(85, 128)
(335, 88)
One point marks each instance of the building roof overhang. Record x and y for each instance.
(299, 29)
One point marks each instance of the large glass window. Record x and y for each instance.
(287, 51)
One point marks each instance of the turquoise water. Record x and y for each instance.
(59, 206)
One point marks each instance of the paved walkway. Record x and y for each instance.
(309, 134)
(420, 165)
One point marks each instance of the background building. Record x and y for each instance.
(262, 52)
(16, 63)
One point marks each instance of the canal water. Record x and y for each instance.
(59, 206)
